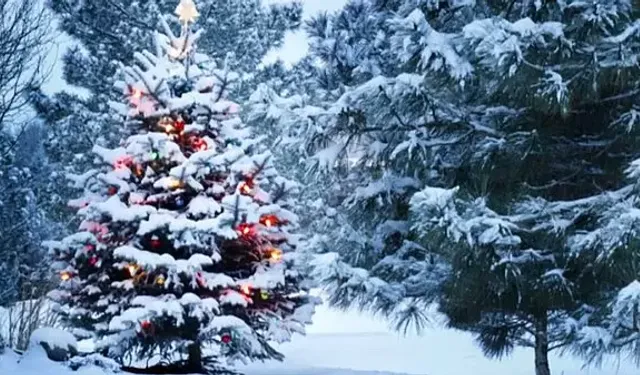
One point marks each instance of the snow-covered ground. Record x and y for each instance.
(339, 340)
(352, 344)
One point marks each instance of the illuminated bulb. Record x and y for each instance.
(138, 170)
(167, 124)
(202, 282)
(133, 269)
(187, 11)
(179, 202)
(276, 255)
(199, 144)
(136, 93)
(123, 163)
(175, 183)
(160, 280)
(244, 229)
(179, 124)
(245, 188)
(269, 220)
(264, 295)
(246, 289)
(65, 276)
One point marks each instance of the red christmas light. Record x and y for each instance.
(199, 144)
(179, 125)
(93, 261)
(89, 248)
(123, 162)
(202, 282)
(112, 190)
(226, 338)
(245, 229)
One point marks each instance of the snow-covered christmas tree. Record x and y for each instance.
(185, 254)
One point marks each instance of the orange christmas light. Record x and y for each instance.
(133, 269)
(175, 183)
(275, 255)
(246, 289)
(245, 188)
(160, 280)
(269, 220)
(167, 124)
(138, 170)
(65, 276)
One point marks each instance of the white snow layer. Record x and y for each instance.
(353, 344)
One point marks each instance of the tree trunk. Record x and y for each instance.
(542, 346)
(194, 362)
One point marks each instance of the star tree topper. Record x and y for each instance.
(187, 11)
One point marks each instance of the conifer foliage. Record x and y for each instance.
(185, 251)
(480, 155)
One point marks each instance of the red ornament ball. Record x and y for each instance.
(146, 325)
(226, 338)
(156, 243)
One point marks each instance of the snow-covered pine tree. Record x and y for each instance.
(480, 150)
(108, 33)
(24, 224)
(185, 252)
(368, 126)
(540, 210)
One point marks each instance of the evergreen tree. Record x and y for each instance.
(185, 250)
(23, 172)
(479, 151)
(108, 33)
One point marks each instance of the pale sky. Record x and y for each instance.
(295, 44)
(294, 49)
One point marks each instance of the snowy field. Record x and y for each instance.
(352, 344)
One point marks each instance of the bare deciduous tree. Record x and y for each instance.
(25, 38)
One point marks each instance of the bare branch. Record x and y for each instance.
(25, 38)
